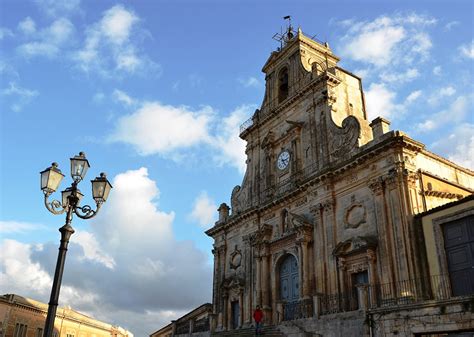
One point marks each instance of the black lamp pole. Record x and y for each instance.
(66, 232)
(50, 180)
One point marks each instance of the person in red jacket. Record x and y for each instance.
(258, 316)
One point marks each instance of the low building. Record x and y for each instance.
(195, 323)
(24, 317)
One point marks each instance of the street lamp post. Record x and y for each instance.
(71, 197)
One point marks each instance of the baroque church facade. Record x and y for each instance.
(325, 220)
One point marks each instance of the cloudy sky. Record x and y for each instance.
(154, 93)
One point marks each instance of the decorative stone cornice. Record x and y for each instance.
(355, 245)
(367, 152)
(441, 194)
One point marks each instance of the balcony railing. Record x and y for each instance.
(297, 310)
(392, 294)
(334, 303)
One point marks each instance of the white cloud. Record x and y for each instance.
(5, 32)
(458, 146)
(93, 250)
(386, 40)
(49, 41)
(467, 50)
(132, 211)
(250, 82)
(362, 73)
(437, 70)
(18, 96)
(441, 94)
(450, 25)
(374, 46)
(231, 148)
(380, 101)
(413, 96)
(27, 26)
(455, 113)
(117, 24)
(56, 8)
(171, 131)
(110, 47)
(421, 44)
(400, 77)
(19, 274)
(204, 210)
(31, 49)
(122, 97)
(162, 129)
(19, 227)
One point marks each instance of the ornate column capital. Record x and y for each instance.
(328, 205)
(376, 185)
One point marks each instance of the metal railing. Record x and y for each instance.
(405, 292)
(334, 303)
(297, 310)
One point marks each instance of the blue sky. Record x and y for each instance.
(154, 93)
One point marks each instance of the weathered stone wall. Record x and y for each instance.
(353, 324)
(432, 317)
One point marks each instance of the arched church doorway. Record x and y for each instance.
(289, 279)
(289, 287)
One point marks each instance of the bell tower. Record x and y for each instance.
(312, 116)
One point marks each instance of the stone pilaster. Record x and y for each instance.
(386, 264)
(319, 249)
(305, 269)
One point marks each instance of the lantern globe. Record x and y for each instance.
(51, 178)
(101, 188)
(67, 193)
(79, 166)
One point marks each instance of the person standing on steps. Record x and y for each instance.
(258, 316)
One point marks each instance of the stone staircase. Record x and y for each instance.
(267, 331)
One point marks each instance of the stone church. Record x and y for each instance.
(326, 222)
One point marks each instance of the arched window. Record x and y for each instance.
(283, 85)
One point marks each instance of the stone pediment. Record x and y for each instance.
(355, 245)
(299, 220)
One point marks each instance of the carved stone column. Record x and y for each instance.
(385, 247)
(319, 243)
(215, 287)
(241, 308)
(258, 288)
(228, 313)
(398, 221)
(372, 260)
(329, 233)
(265, 279)
(305, 266)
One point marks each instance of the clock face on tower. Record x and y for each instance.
(283, 160)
